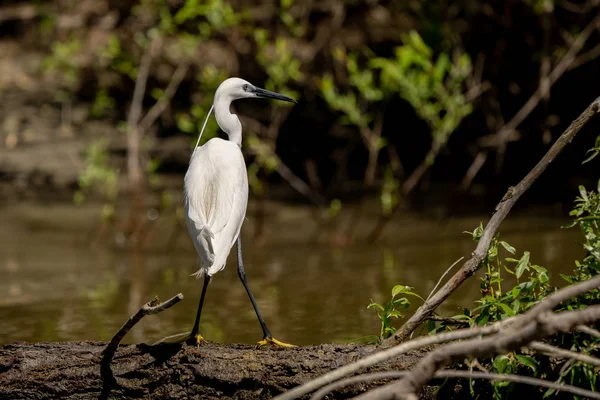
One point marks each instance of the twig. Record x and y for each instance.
(556, 351)
(477, 163)
(586, 57)
(110, 350)
(588, 331)
(456, 374)
(501, 211)
(443, 275)
(545, 84)
(449, 321)
(135, 111)
(159, 107)
(298, 184)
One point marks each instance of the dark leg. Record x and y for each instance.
(194, 336)
(242, 275)
(267, 337)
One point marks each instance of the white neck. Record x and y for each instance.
(228, 122)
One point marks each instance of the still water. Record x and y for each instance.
(63, 279)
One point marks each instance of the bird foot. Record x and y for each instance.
(194, 339)
(274, 342)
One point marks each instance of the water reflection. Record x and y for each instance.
(57, 287)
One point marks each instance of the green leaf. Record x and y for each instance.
(396, 290)
(583, 193)
(376, 305)
(523, 263)
(515, 291)
(594, 152)
(508, 247)
(500, 363)
(401, 289)
(507, 309)
(528, 362)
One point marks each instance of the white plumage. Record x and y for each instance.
(216, 196)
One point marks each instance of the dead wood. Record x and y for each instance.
(71, 370)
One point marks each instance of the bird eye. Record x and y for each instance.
(245, 87)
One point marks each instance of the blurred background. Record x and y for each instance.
(413, 118)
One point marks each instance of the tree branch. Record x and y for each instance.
(508, 325)
(588, 331)
(159, 107)
(536, 324)
(557, 351)
(110, 350)
(456, 374)
(502, 209)
(546, 83)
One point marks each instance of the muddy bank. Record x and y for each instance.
(71, 370)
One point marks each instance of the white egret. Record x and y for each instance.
(216, 195)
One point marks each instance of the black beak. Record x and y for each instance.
(272, 95)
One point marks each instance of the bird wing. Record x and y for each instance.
(215, 177)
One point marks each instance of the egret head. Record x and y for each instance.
(236, 88)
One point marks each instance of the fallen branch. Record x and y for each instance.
(536, 324)
(109, 352)
(558, 352)
(456, 374)
(588, 331)
(448, 321)
(502, 209)
(508, 325)
(395, 351)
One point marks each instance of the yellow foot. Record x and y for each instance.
(274, 342)
(199, 338)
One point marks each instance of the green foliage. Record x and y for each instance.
(102, 105)
(391, 309)
(434, 87)
(358, 101)
(281, 66)
(191, 121)
(494, 304)
(98, 176)
(283, 71)
(532, 287)
(593, 152)
(64, 65)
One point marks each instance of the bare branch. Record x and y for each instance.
(110, 350)
(301, 187)
(443, 275)
(507, 326)
(375, 376)
(536, 324)
(588, 331)
(448, 321)
(391, 353)
(546, 83)
(134, 168)
(557, 351)
(159, 107)
(501, 211)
